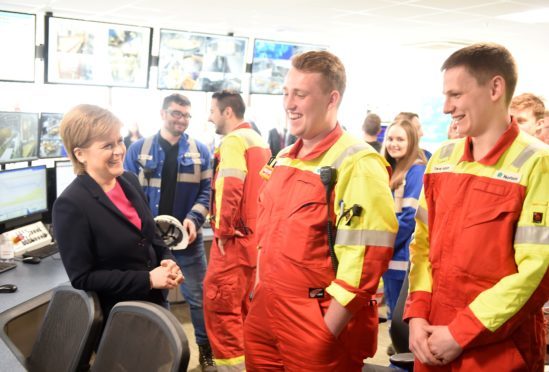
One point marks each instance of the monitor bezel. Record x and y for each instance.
(36, 215)
(33, 51)
(40, 140)
(51, 56)
(242, 74)
(37, 134)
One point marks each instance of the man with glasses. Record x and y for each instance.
(174, 171)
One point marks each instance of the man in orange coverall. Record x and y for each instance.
(236, 181)
(478, 277)
(311, 311)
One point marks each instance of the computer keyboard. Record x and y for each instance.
(43, 252)
(5, 266)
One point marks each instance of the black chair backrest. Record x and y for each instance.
(69, 333)
(142, 336)
(399, 329)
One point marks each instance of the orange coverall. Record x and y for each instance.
(481, 252)
(285, 328)
(235, 187)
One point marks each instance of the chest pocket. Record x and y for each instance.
(493, 207)
(190, 169)
(304, 222)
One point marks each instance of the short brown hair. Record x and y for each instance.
(406, 116)
(325, 63)
(372, 124)
(230, 98)
(176, 98)
(83, 125)
(529, 101)
(484, 61)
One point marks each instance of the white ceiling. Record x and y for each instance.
(316, 21)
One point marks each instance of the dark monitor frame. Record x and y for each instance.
(10, 53)
(298, 48)
(22, 141)
(84, 43)
(42, 140)
(15, 222)
(163, 60)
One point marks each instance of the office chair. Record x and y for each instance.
(142, 336)
(69, 332)
(399, 332)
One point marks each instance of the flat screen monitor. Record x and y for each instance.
(205, 62)
(49, 140)
(17, 43)
(18, 136)
(64, 175)
(271, 63)
(23, 193)
(96, 53)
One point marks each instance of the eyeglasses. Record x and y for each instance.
(178, 114)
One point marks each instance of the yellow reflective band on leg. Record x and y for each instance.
(231, 364)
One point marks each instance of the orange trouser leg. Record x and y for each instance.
(225, 297)
(288, 333)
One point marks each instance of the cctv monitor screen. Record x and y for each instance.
(205, 62)
(17, 43)
(18, 136)
(23, 192)
(50, 142)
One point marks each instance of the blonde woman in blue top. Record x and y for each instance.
(401, 149)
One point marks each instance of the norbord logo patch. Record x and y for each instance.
(506, 176)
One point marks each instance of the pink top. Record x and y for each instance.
(120, 200)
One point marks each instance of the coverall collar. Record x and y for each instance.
(243, 125)
(320, 147)
(503, 143)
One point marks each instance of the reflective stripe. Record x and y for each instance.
(410, 202)
(532, 235)
(200, 209)
(422, 215)
(398, 265)
(230, 364)
(189, 177)
(206, 174)
(348, 152)
(153, 182)
(447, 150)
(524, 156)
(146, 149)
(232, 172)
(365, 237)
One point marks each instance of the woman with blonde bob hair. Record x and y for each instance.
(401, 149)
(102, 223)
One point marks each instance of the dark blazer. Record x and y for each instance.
(101, 249)
(274, 141)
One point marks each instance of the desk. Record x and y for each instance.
(34, 283)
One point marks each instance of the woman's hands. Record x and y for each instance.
(166, 276)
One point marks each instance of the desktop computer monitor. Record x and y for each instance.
(24, 196)
(64, 174)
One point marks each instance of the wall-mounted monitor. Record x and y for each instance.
(50, 144)
(194, 61)
(18, 136)
(96, 53)
(17, 43)
(271, 63)
(27, 193)
(64, 175)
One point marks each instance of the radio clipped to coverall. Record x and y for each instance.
(328, 177)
